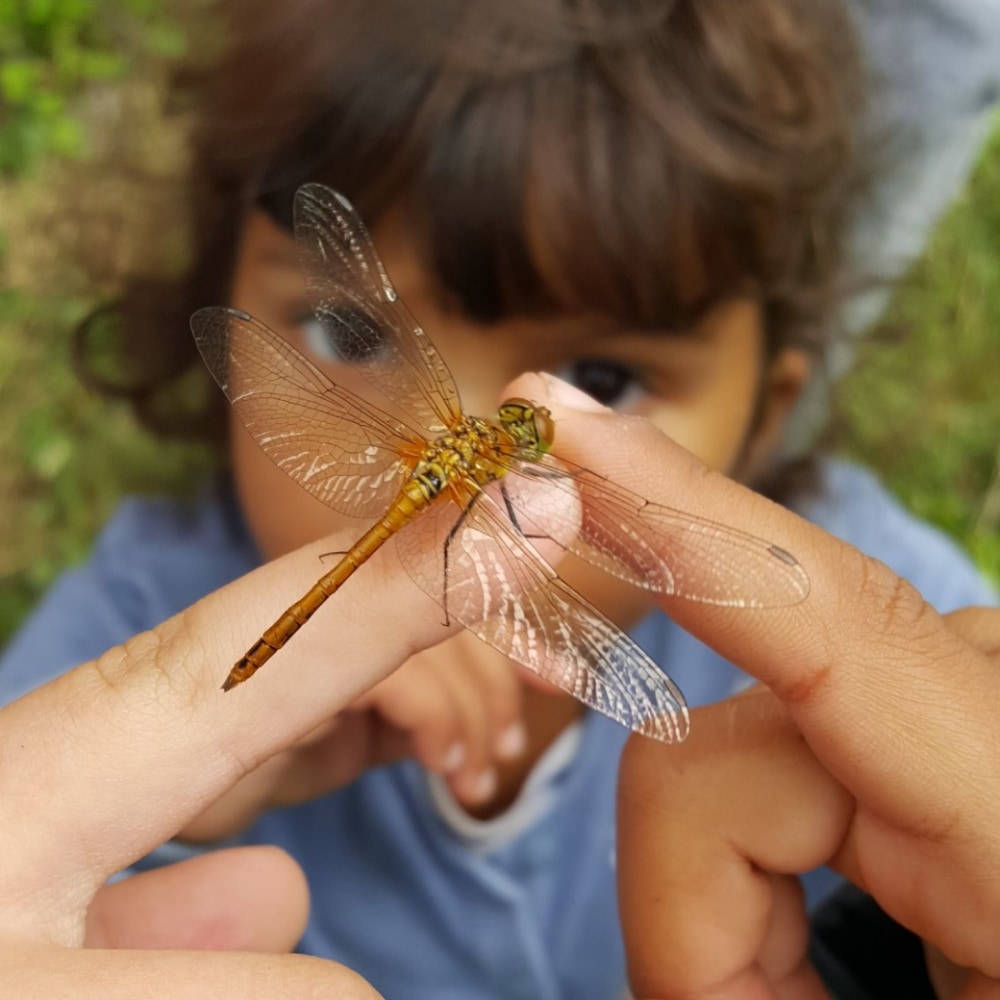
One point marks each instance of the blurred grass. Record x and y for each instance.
(66, 457)
(922, 404)
(922, 408)
(68, 225)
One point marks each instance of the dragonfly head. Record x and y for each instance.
(531, 426)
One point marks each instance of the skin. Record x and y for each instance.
(900, 793)
(127, 749)
(464, 710)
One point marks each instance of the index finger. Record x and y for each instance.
(108, 761)
(860, 650)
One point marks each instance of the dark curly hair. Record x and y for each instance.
(644, 159)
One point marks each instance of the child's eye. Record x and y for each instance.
(609, 383)
(343, 336)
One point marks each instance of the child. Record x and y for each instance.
(648, 200)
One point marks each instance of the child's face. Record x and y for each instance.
(711, 390)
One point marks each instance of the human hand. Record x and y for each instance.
(898, 793)
(110, 760)
(876, 753)
(456, 708)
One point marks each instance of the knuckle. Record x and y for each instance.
(893, 606)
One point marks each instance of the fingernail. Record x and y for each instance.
(453, 758)
(570, 396)
(484, 786)
(512, 741)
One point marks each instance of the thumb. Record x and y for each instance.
(243, 902)
(88, 974)
(243, 899)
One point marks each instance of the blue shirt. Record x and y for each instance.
(422, 901)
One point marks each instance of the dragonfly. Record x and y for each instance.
(465, 498)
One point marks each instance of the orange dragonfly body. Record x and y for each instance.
(463, 496)
(459, 464)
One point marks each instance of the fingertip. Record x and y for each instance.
(476, 787)
(547, 389)
(454, 757)
(512, 741)
(570, 397)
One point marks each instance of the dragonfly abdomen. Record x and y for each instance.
(413, 498)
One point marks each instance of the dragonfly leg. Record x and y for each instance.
(512, 514)
(332, 555)
(447, 548)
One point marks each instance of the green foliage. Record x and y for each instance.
(922, 405)
(53, 50)
(67, 67)
(66, 456)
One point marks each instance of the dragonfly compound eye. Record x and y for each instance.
(545, 428)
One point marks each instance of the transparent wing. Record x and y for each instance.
(364, 319)
(500, 588)
(650, 545)
(343, 450)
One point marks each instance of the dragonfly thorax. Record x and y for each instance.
(483, 450)
(473, 449)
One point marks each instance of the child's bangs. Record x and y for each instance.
(638, 161)
(547, 199)
(550, 176)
